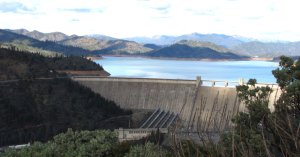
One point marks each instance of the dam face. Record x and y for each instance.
(200, 108)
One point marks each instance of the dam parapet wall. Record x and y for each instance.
(202, 105)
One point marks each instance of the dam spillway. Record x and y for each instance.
(200, 107)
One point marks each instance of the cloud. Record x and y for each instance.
(79, 10)
(161, 17)
(202, 12)
(14, 7)
(163, 9)
(83, 10)
(253, 17)
(74, 20)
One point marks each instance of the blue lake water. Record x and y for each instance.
(179, 69)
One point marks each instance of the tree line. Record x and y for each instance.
(23, 65)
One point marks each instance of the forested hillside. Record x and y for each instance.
(36, 109)
(39, 109)
(19, 65)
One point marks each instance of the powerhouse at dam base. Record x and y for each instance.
(197, 105)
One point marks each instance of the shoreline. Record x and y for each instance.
(185, 59)
(94, 58)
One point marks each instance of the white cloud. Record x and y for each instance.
(263, 19)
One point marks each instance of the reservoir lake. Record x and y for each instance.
(183, 69)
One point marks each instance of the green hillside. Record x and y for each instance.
(19, 64)
(37, 109)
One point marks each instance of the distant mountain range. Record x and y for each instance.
(58, 42)
(195, 50)
(104, 46)
(236, 44)
(219, 39)
(269, 49)
(22, 42)
(101, 37)
(82, 45)
(55, 36)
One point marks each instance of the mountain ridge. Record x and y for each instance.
(270, 49)
(19, 40)
(97, 44)
(219, 39)
(53, 36)
(195, 50)
(101, 44)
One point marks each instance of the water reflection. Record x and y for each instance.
(178, 69)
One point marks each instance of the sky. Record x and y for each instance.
(258, 19)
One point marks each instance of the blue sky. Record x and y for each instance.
(260, 19)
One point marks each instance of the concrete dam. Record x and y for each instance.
(202, 105)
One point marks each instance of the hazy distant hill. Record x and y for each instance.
(85, 42)
(193, 49)
(153, 46)
(26, 43)
(219, 39)
(210, 45)
(107, 46)
(54, 36)
(157, 40)
(124, 47)
(101, 37)
(97, 43)
(274, 49)
(89, 43)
